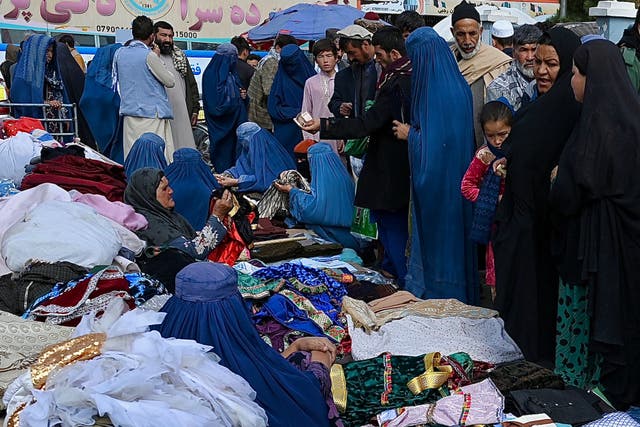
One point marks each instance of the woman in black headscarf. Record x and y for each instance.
(596, 204)
(526, 278)
(171, 241)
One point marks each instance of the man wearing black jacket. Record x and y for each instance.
(356, 84)
(383, 185)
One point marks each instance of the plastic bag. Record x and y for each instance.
(362, 225)
(358, 147)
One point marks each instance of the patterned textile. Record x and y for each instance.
(320, 318)
(574, 363)
(614, 419)
(21, 341)
(311, 278)
(475, 404)
(365, 316)
(364, 388)
(482, 339)
(254, 288)
(511, 84)
(278, 336)
(54, 91)
(92, 294)
(274, 201)
(156, 302)
(37, 280)
(180, 61)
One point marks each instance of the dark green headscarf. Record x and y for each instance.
(165, 225)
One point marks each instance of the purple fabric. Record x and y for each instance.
(277, 333)
(302, 361)
(119, 212)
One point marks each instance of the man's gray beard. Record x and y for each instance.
(166, 49)
(472, 53)
(527, 72)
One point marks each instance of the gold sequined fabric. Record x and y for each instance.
(339, 387)
(58, 355)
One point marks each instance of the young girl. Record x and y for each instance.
(483, 183)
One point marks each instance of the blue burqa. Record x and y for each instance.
(100, 104)
(262, 158)
(208, 308)
(328, 209)
(147, 152)
(192, 183)
(224, 109)
(29, 75)
(285, 98)
(442, 262)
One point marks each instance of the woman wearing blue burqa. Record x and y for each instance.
(260, 162)
(100, 104)
(146, 152)
(37, 79)
(328, 209)
(294, 387)
(192, 183)
(285, 98)
(442, 261)
(224, 105)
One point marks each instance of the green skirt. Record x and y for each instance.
(574, 362)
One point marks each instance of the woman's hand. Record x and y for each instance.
(285, 188)
(312, 344)
(554, 173)
(400, 130)
(311, 126)
(221, 207)
(55, 104)
(226, 181)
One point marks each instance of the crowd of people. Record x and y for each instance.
(525, 149)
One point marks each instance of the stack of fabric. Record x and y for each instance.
(289, 301)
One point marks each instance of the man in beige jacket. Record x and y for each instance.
(479, 63)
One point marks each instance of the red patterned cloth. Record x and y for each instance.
(85, 175)
(89, 295)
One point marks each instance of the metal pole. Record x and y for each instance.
(563, 8)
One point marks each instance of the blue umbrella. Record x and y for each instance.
(306, 21)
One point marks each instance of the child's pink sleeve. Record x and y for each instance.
(470, 185)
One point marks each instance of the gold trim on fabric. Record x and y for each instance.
(64, 353)
(339, 387)
(434, 376)
(14, 419)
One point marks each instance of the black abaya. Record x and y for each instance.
(526, 278)
(596, 206)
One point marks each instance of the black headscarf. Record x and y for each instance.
(526, 279)
(73, 79)
(565, 42)
(596, 201)
(165, 225)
